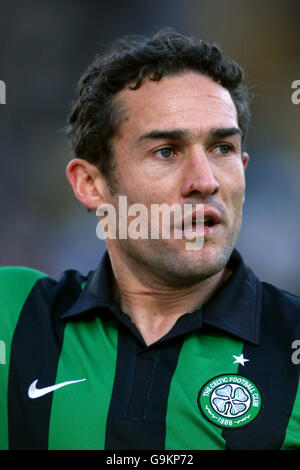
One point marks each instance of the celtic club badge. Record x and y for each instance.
(230, 401)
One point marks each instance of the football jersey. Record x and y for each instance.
(75, 372)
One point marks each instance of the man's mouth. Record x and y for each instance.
(208, 222)
(201, 221)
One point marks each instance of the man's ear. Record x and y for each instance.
(87, 182)
(245, 159)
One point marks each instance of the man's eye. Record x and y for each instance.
(223, 149)
(166, 152)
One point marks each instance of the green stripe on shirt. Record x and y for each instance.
(202, 357)
(291, 441)
(79, 410)
(16, 284)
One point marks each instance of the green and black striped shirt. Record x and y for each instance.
(75, 372)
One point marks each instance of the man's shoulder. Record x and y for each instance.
(17, 281)
(24, 277)
(281, 303)
(276, 294)
(10, 272)
(24, 289)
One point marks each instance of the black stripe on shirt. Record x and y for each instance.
(136, 418)
(271, 369)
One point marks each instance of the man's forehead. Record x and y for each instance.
(187, 85)
(190, 98)
(173, 98)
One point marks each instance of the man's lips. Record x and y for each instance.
(203, 217)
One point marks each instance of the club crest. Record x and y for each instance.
(230, 401)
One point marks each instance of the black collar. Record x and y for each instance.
(235, 308)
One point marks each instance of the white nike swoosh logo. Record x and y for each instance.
(34, 392)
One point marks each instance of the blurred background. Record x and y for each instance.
(44, 48)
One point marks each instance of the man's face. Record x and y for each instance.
(179, 143)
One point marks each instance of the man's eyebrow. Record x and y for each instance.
(176, 134)
(181, 134)
(225, 132)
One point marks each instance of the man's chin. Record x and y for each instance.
(171, 263)
(191, 266)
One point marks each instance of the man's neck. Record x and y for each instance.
(155, 307)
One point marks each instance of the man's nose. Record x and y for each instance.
(199, 175)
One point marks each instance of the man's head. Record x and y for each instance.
(98, 114)
(164, 121)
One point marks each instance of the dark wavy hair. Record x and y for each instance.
(97, 114)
